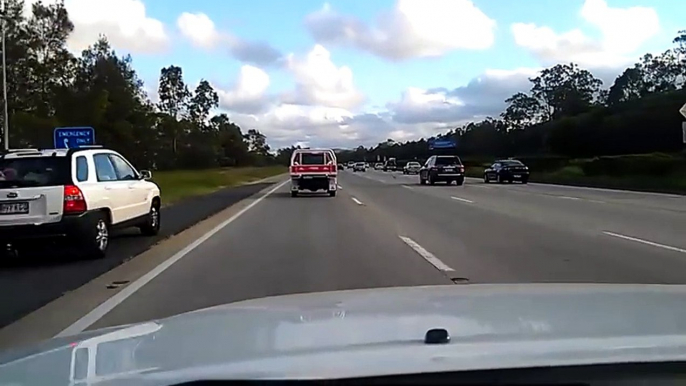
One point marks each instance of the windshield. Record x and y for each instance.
(215, 152)
(34, 172)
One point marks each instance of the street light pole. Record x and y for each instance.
(6, 128)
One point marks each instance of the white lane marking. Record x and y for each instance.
(358, 202)
(462, 199)
(569, 198)
(407, 187)
(668, 247)
(339, 187)
(428, 256)
(108, 305)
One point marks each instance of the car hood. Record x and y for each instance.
(372, 332)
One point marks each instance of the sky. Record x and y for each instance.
(343, 73)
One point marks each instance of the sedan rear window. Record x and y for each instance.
(511, 163)
(448, 161)
(34, 171)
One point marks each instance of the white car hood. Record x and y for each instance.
(373, 332)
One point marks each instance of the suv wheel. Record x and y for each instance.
(151, 227)
(97, 237)
(332, 193)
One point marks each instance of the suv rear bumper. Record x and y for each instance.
(70, 227)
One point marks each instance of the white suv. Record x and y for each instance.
(74, 197)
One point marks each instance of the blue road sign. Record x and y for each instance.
(73, 137)
(442, 144)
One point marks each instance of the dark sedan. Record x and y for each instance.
(509, 170)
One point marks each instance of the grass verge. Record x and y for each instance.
(178, 184)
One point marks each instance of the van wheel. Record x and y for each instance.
(294, 193)
(96, 237)
(151, 227)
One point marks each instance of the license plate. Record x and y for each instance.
(517, 176)
(449, 169)
(14, 208)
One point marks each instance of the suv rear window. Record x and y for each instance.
(445, 161)
(34, 171)
(312, 159)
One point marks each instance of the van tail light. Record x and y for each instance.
(333, 168)
(74, 202)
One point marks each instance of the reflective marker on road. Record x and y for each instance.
(358, 202)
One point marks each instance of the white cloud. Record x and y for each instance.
(320, 82)
(412, 29)
(483, 96)
(124, 22)
(623, 32)
(201, 31)
(248, 95)
(417, 113)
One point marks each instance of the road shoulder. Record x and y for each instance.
(57, 315)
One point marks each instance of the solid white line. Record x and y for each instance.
(358, 202)
(675, 249)
(108, 305)
(428, 256)
(569, 198)
(462, 199)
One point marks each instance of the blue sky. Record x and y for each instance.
(476, 51)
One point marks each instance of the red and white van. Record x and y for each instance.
(313, 170)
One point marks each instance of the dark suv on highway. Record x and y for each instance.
(446, 168)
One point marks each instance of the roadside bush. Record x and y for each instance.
(657, 164)
(546, 163)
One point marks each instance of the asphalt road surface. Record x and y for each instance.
(32, 281)
(384, 229)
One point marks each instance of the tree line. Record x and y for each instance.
(568, 113)
(49, 87)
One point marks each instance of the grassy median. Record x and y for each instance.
(179, 184)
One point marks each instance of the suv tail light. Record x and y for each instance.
(74, 202)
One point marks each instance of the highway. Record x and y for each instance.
(384, 229)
